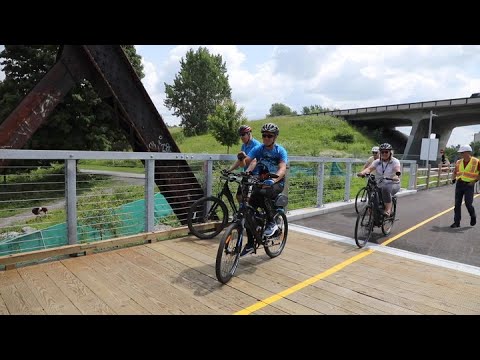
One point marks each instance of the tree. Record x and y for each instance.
(313, 109)
(279, 109)
(224, 123)
(197, 89)
(82, 121)
(476, 148)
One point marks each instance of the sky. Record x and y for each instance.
(343, 77)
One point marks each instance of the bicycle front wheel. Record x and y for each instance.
(207, 217)
(364, 227)
(276, 243)
(228, 253)
(388, 221)
(361, 200)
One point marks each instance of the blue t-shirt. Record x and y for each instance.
(269, 158)
(246, 148)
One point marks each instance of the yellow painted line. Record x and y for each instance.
(282, 294)
(310, 281)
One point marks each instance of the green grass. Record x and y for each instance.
(300, 135)
(112, 168)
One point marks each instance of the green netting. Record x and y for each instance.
(132, 217)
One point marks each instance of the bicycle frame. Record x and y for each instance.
(228, 194)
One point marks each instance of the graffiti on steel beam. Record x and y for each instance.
(159, 146)
(46, 105)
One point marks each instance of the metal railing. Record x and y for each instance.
(87, 204)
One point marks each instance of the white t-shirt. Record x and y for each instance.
(386, 169)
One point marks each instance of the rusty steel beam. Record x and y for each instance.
(109, 70)
(173, 177)
(32, 111)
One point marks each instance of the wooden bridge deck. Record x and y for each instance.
(178, 277)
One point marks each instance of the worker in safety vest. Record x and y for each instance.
(466, 173)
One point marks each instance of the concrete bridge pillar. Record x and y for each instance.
(419, 131)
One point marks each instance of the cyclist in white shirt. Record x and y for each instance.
(387, 166)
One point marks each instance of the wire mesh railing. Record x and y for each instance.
(94, 196)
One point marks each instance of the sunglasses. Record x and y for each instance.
(384, 152)
(374, 152)
(241, 135)
(267, 136)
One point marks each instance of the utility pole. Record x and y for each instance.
(429, 137)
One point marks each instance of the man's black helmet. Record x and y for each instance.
(385, 146)
(270, 127)
(244, 129)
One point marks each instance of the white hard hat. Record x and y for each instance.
(464, 148)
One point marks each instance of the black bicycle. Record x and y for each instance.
(230, 247)
(361, 199)
(208, 216)
(372, 215)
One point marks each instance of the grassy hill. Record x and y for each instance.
(301, 135)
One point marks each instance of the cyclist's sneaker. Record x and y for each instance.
(248, 249)
(455, 225)
(270, 229)
(473, 220)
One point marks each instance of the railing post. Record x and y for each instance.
(428, 176)
(149, 195)
(348, 181)
(209, 177)
(285, 188)
(412, 181)
(439, 174)
(320, 174)
(71, 197)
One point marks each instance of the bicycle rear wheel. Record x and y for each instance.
(364, 227)
(275, 244)
(387, 223)
(228, 253)
(206, 225)
(361, 200)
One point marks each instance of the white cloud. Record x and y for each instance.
(332, 76)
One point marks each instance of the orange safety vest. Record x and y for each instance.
(467, 174)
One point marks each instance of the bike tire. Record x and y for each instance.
(362, 197)
(228, 253)
(477, 187)
(364, 227)
(207, 226)
(388, 222)
(275, 245)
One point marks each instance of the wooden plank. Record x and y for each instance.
(452, 279)
(143, 238)
(391, 295)
(78, 293)
(190, 257)
(20, 300)
(175, 261)
(439, 295)
(3, 307)
(129, 287)
(106, 291)
(258, 271)
(318, 291)
(182, 281)
(155, 287)
(257, 286)
(46, 292)
(10, 277)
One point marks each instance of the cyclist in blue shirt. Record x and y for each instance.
(271, 158)
(245, 133)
